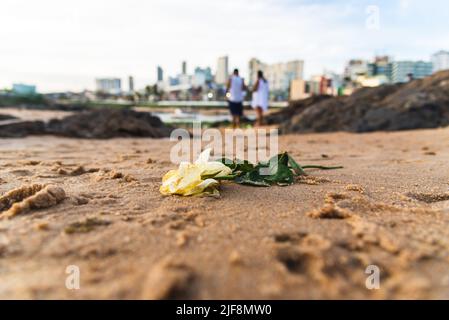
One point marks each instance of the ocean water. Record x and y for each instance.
(170, 117)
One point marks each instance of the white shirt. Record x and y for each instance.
(236, 89)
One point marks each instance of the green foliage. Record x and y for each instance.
(280, 170)
(14, 100)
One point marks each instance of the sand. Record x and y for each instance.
(389, 207)
(25, 114)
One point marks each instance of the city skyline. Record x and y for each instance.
(108, 39)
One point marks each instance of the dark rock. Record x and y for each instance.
(109, 123)
(419, 104)
(97, 124)
(22, 129)
(294, 108)
(4, 117)
(226, 123)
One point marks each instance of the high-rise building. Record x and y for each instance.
(160, 74)
(131, 84)
(279, 75)
(404, 70)
(222, 75)
(440, 61)
(109, 85)
(184, 67)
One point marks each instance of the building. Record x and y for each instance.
(298, 88)
(440, 61)
(184, 67)
(253, 67)
(160, 74)
(354, 69)
(109, 85)
(403, 71)
(201, 76)
(381, 67)
(131, 84)
(374, 81)
(173, 81)
(185, 79)
(334, 81)
(279, 75)
(23, 89)
(222, 74)
(361, 73)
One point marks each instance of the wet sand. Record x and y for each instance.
(389, 207)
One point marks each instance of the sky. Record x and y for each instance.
(62, 45)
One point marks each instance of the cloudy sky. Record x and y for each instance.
(66, 44)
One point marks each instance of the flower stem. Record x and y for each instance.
(322, 168)
(225, 178)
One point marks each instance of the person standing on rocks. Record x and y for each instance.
(261, 93)
(235, 88)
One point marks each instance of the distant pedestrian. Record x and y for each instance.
(261, 93)
(235, 88)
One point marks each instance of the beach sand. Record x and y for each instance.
(389, 207)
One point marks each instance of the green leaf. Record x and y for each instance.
(299, 171)
(253, 178)
(244, 166)
(237, 165)
(280, 158)
(280, 174)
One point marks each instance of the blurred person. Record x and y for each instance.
(235, 88)
(261, 93)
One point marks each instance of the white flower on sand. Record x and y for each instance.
(194, 179)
